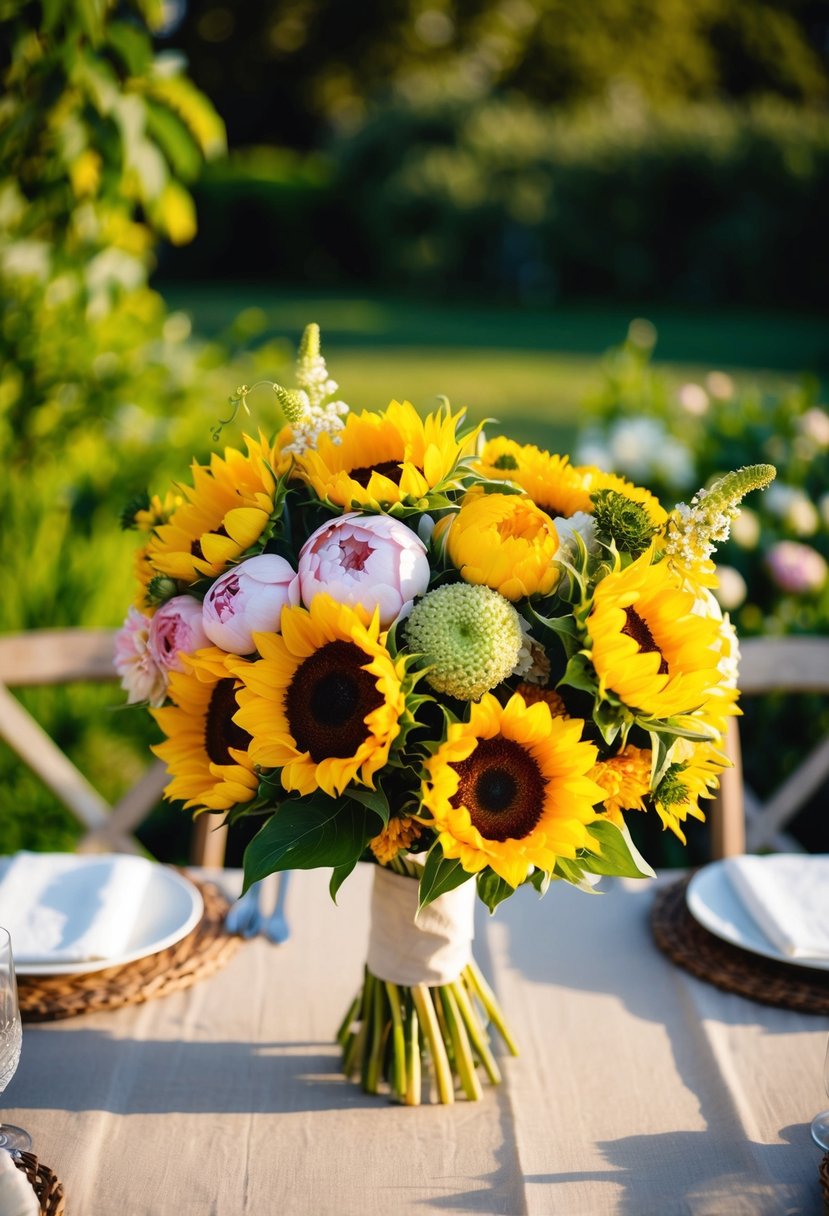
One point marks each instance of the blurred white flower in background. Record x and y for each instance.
(638, 448)
(746, 528)
(693, 399)
(720, 385)
(732, 589)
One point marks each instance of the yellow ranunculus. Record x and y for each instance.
(506, 542)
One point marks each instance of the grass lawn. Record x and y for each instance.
(532, 369)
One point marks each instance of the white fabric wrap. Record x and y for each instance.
(432, 949)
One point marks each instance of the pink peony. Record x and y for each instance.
(249, 599)
(141, 677)
(798, 569)
(177, 627)
(373, 560)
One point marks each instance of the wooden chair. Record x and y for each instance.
(67, 656)
(739, 820)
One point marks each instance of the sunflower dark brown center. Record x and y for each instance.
(328, 700)
(501, 786)
(195, 545)
(386, 468)
(637, 628)
(220, 731)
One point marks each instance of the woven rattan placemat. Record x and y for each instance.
(45, 1183)
(201, 953)
(685, 941)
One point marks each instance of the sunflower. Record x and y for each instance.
(551, 481)
(503, 541)
(693, 774)
(227, 509)
(510, 789)
(205, 751)
(594, 479)
(648, 645)
(381, 459)
(323, 702)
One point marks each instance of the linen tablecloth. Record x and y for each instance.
(639, 1089)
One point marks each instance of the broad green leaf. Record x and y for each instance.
(194, 110)
(132, 46)
(493, 889)
(540, 879)
(440, 874)
(374, 799)
(306, 833)
(338, 876)
(174, 140)
(572, 873)
(579, 673)
(619, 855)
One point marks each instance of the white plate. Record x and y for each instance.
(171, 908)
(715, 904)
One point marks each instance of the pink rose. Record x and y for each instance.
(249, 599)
(798, 569)
(177, 627)
(141, 677)
(373, 560)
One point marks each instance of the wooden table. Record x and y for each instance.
(639, 1089)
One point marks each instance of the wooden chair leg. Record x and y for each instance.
(726, 815)
(209, 842)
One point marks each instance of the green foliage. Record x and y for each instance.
(97, 135)
(694, 204)
(317, 64)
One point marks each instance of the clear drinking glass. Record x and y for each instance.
(13, 1139)
(820, 1123)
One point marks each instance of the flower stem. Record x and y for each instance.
(488, 1000)
(476, 1031)
(375, 1054)
(413, 1074)
(426, 1012)
(348, 1021)
(398, 1040)
(464, 1062)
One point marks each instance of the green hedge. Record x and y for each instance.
(707, 203)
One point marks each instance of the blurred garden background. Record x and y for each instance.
(602, 225)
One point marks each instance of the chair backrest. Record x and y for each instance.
(67, 656)
(740, 820)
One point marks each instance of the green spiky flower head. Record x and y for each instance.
(470, 636)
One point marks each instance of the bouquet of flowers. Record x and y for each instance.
(463, 659)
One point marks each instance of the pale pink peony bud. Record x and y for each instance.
(176, 628)
(249, 599)
(373, 560)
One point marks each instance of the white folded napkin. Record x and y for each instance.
(17, 1198)
(787, 894)
(67, 907)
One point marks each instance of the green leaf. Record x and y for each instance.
(579, 673)
(338, 876)
(572, 873)
(540, 879)
(375, 800)
(174, 139)
(307, 833)
(132, 47)
(440, 874)
(493, 889)
(619, 855)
